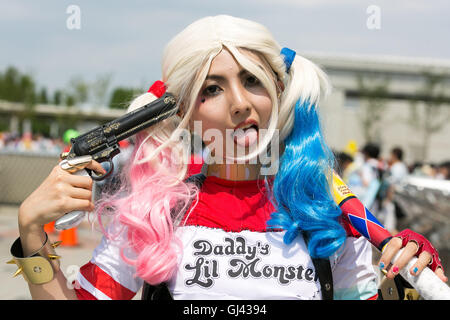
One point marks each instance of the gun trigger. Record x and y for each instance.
(108, 172)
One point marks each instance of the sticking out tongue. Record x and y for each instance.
(245, 137)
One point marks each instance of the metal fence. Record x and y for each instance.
(22, 173)
(426, 206)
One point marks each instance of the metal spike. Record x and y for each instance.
(19, 271)
(56, 244)
(12, 261)
(53, 256)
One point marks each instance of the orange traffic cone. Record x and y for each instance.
(49, 227)
(69, 237)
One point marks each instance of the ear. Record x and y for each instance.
(280, 88)
(280, 85)
(180, 112)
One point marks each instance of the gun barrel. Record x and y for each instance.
(124, 126)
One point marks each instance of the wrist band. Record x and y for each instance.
(39, 267)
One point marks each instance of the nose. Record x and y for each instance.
(239, 101)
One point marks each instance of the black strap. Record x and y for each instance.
(159, 292)
(323, 272)
(322, 267)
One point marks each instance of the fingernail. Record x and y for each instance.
(381, 265)
(395, 269)
(415, 270)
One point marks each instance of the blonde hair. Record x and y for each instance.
(186, 62)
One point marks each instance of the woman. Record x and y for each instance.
(214, 241)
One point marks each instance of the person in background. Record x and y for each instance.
(365, 181)
(344, 160)
(369, 171)
(444, 171)
(397, 171)
(397, 168)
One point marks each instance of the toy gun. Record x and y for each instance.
(102, 144)
(427, 284)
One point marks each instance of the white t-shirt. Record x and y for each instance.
(398, 171)
(223, 265)
(228, 253)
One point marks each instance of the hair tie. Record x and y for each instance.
(288, 57)
(158, 88)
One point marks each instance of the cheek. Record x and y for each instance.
(264, 108)
(207, 118)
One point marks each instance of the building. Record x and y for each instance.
(403, 82)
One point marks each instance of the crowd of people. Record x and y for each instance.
(358, 168)
(394, 164)
(30, 143)
(373, 178)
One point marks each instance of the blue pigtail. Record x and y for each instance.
(301, 189)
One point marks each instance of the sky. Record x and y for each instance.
(125, 39)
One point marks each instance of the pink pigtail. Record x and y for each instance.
(148, 211)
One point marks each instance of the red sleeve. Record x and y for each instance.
(84, 295)
(94, 283)
(351, 232)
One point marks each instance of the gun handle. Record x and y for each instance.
(74, 218)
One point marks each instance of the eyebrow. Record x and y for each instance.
(217, 77)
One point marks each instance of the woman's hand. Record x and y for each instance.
(415, 246)
(59, 193)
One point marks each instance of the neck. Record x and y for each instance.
(235, 171)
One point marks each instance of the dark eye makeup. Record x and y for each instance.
(248, 79)
(252, 80)
(211, 90)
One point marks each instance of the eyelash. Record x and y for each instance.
(255, 79)
(206, 92)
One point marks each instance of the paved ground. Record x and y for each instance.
(73, 257)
